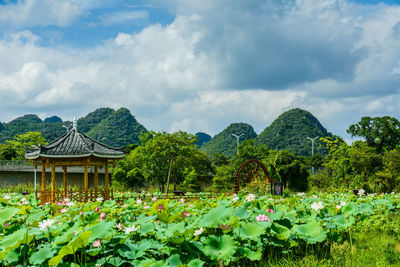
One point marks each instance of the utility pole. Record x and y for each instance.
(312, 150)
(237, 142)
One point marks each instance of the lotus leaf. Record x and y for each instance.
(7, 213)
(102, 230)
(174, 260)
(311, 232)
(220, 247)
(250, 230)
(41, 255)
(250, 254)
(196, 263)
(217, 216)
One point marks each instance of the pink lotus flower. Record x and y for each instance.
(154, 199)
(160, 207)
(191, 205)
(186, 214)
(97, 243)
(262, 218)
(270, 210)
(62, 210)
(102, 216)
(97, 209)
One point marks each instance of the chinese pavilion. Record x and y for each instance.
(73, 149)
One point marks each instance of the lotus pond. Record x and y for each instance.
(227, 230)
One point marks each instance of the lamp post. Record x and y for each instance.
(312, 150)
(237, 142)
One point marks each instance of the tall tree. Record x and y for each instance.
(23, 141)
(382, 133)
(162, 155)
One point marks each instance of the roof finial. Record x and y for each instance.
(74, 124)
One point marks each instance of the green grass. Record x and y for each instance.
(374, 242)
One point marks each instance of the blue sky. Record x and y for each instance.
(200, 65)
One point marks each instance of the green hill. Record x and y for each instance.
(290, 131)
(30, 123)
(114, 128)
(53, 119)
(119, 129)
(88, 122)
(202, 138)
(225, 142)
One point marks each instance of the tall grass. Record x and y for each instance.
(375, 242)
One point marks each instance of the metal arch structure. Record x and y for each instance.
(250, 170)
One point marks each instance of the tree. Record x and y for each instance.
(7, 152)
(382, 133)
(23, 141)
(388, 179)
(162, 155)
(291, 170)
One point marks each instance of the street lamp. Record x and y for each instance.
(237, 142)
(312, 150)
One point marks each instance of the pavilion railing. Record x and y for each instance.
(75, 196)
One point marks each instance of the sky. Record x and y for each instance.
(199, 66)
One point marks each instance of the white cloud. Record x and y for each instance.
(32, 13)
(123, 17)
(217, 63)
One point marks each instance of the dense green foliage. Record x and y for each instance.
(119, 129)
(382, 133)
(21, 142)
(163, 155)
(225, 143)
(8, 152)
(282, 166)
(357, 166)
(202, 138)
(290, 131)
(88, 122)
(245, 230)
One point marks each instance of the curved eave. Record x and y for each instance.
(76, 156)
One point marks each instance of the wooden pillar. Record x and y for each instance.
(53, 181)
(96, 180)
(43, 191)
(86, 182)
(106, 181)
(65, 180)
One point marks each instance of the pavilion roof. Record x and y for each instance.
(74, 144)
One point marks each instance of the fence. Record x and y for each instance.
(15, 163)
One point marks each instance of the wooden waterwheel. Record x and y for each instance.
(249, 171)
